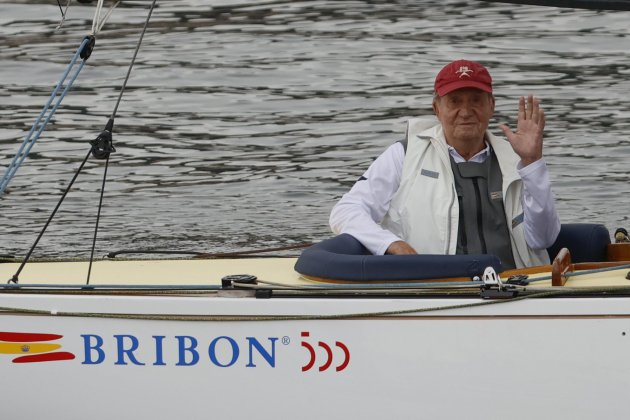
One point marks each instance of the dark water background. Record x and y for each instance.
(244, 121)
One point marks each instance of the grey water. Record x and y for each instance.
(244, 121)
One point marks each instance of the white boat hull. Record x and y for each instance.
(565, 358)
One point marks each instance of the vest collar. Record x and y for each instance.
(429, 128)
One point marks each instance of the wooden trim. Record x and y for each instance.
(560, 267)
(597, 265)
(618, 252)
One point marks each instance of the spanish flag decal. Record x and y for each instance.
(32, 347)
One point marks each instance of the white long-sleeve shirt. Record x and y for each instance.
(360, 211)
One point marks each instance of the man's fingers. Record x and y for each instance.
(535, 109)
(521, 108)
(530, 107)
(541, 121)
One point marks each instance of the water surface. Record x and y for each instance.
(244, 122)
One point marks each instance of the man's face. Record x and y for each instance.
(464, 114)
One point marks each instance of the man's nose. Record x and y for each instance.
(466, 109)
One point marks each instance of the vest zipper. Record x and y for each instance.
(482, 238)
(462, 224)
(448, 223)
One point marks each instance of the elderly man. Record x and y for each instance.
(451, 187)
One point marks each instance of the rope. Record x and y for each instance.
(39, 126)
(84, 51)
(205, 255)
(106, 17)
(358, 315)
(251, 252)
(97, 16)
(97, 22)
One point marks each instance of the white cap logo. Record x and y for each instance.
(463, 71)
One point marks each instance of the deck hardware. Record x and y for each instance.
(102, 145)
(228, 281)
(560, 266)
(494, 288)
(491, 278)
(506, 293)
(621, 236)
(628, 276)
(88, 47)
(519, 279)
(263, 293)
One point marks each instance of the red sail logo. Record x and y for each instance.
(32, 347)
(328, 361)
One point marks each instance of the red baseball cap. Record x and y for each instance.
(462, 74)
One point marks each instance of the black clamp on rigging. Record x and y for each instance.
(86, 52)
(102, 146)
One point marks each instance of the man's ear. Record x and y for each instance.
(435, 108)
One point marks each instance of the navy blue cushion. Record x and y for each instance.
(345, 258)
(586, 242)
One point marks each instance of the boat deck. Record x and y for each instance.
(209, 272)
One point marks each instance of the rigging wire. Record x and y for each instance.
(104, 140)
(101, 148)
(15, 277)
(63, 13)
(98, 218)
(133, 60)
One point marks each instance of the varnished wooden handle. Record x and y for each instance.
(560, 266)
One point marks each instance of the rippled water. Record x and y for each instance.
(244, 121)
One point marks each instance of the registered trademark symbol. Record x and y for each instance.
(286, 340)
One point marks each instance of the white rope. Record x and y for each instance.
(109, 12)
(97, 21)
(97, 17)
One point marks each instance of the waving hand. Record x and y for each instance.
(527, 141)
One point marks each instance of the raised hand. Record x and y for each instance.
(527, 141)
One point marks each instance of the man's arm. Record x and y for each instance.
(541, 221)
(360, 211)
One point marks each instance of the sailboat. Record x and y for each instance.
(335, 332)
